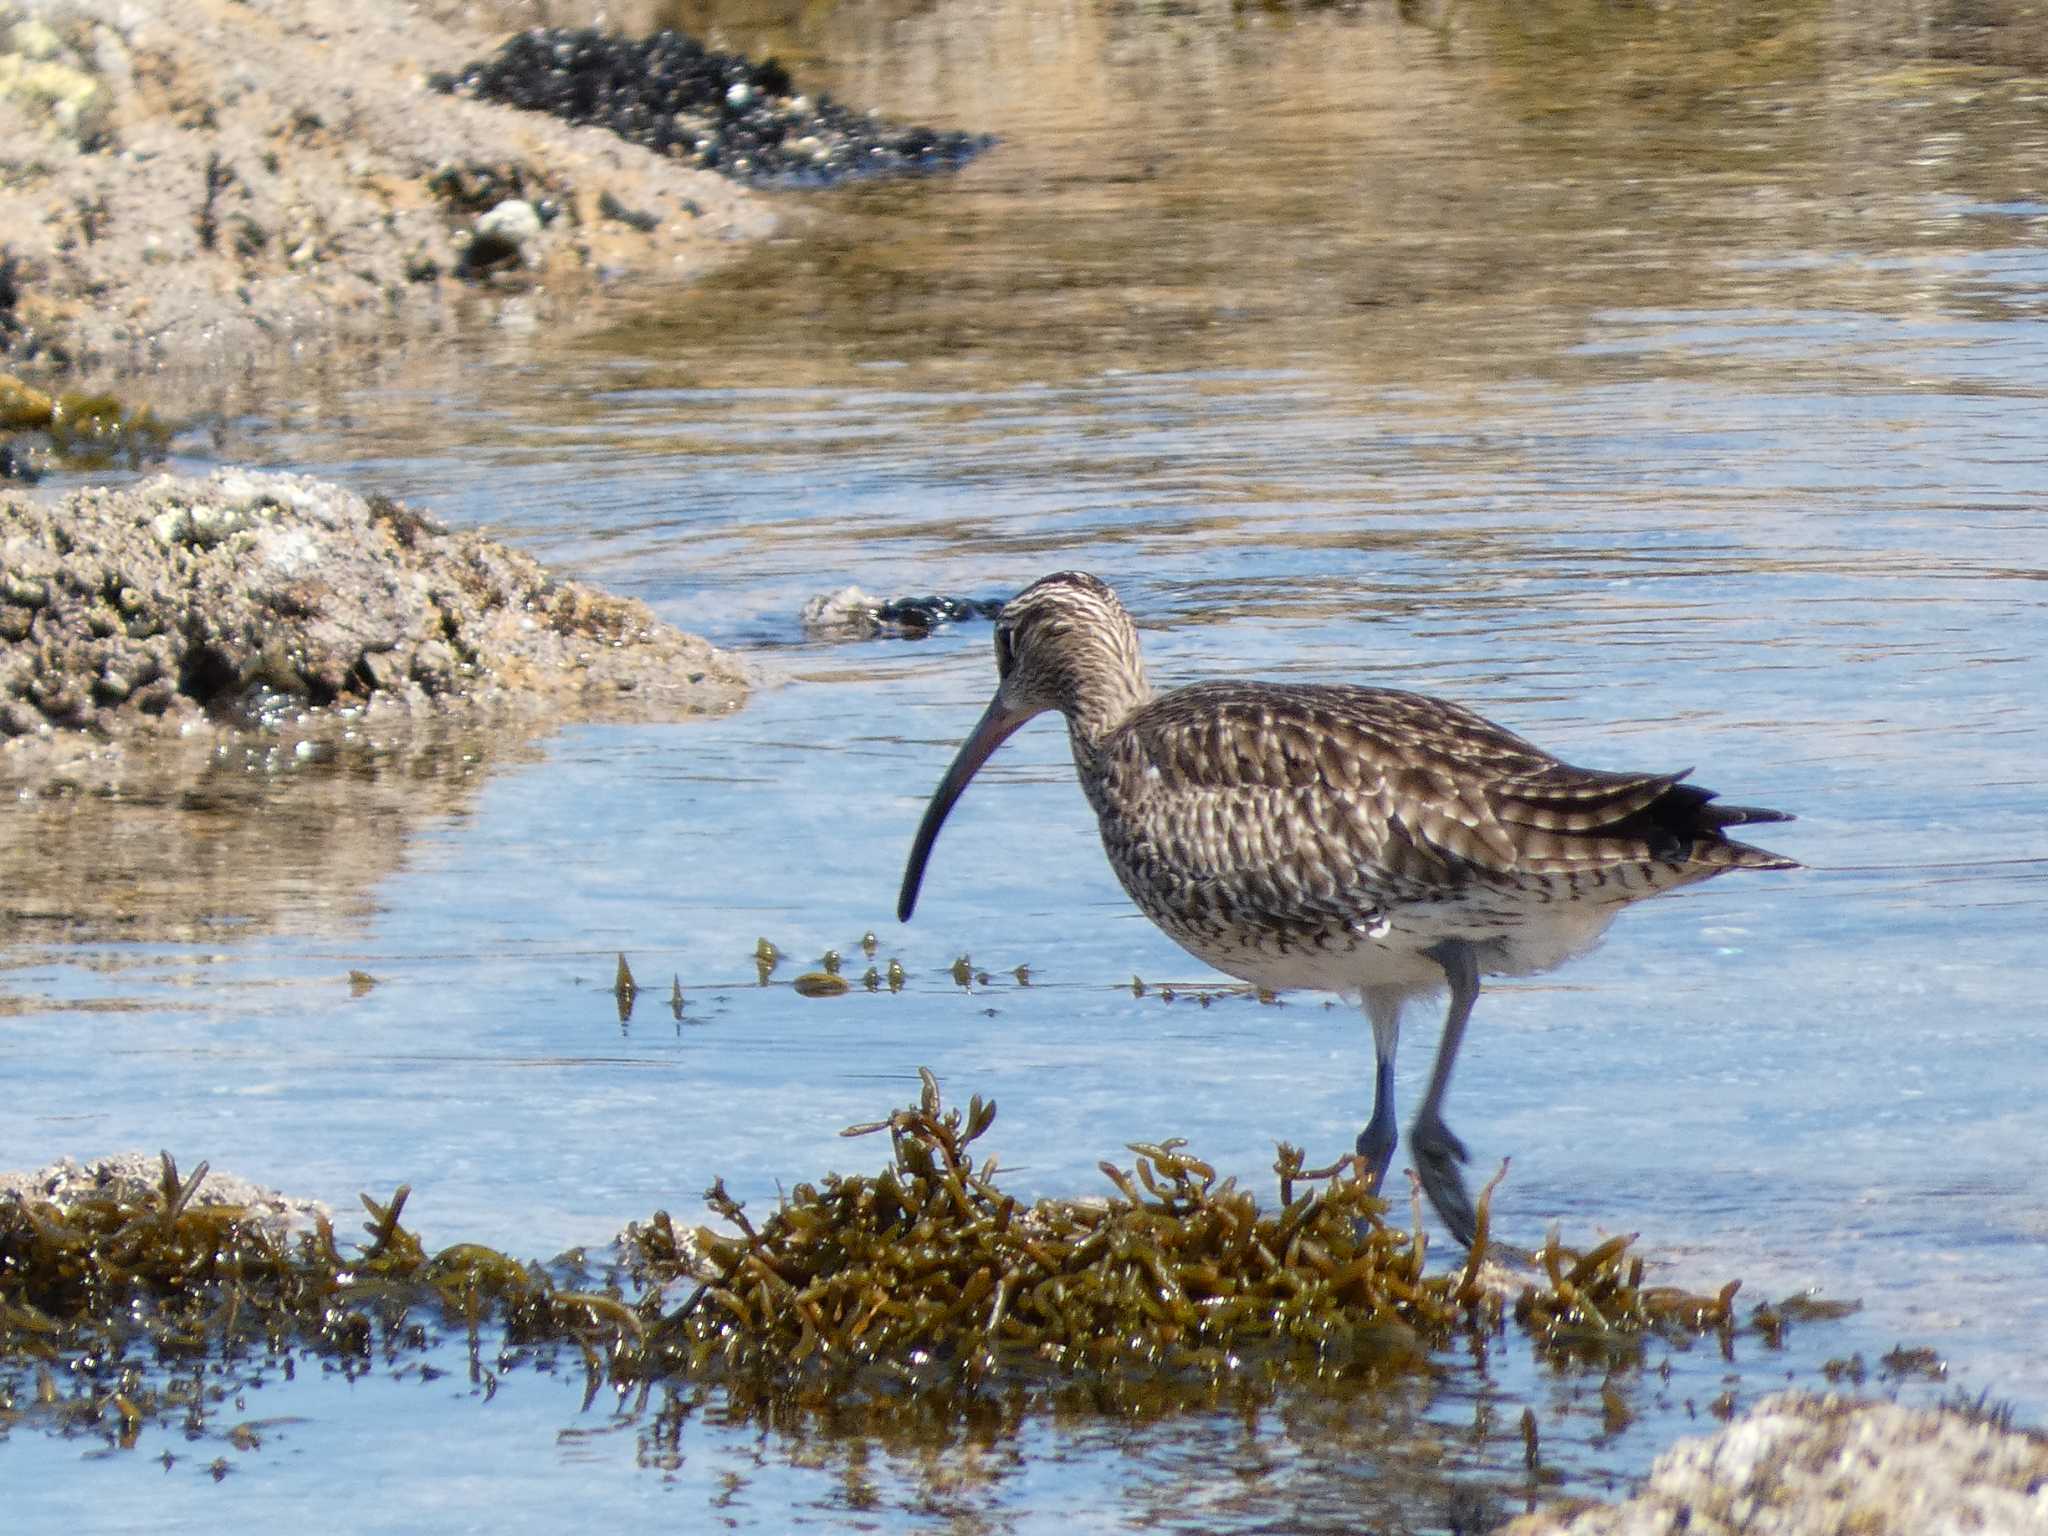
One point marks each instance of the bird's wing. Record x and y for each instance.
(1420, 789)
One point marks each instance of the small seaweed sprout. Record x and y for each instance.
(1981, 1409)
(917, 1134)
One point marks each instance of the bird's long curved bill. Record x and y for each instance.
(996, 725)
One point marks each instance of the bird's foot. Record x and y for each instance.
(1437, 1155)
(1376, 1149)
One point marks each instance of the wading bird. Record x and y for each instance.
(1357, 840)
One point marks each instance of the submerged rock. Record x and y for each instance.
(721, 111)
(247, 600)
(1804, 1465)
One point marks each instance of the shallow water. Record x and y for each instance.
(1673, 393)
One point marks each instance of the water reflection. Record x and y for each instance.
(209, 843)
(1379, 190)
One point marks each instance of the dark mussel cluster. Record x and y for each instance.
(922, 615)
(725, 112)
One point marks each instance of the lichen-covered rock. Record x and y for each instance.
(57, 90)
(1805, 1465)
(244, 599)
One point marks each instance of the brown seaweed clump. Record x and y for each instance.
(928, 1275)
(925, 1283)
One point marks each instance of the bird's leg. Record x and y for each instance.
(1377, 1141)
(1437, 1151)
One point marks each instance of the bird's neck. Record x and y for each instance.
(1102, 704)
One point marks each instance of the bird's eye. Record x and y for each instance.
(1006, 656)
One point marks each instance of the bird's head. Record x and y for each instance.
(1064, 643)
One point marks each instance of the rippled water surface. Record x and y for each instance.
(1670, 388)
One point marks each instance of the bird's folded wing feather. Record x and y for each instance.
(1307, 785)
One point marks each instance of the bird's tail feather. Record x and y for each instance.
(1726, 853)
(1740, 815)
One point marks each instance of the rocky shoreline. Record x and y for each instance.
(210, 185)
(222, 190)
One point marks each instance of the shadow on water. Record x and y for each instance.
(1666, 383)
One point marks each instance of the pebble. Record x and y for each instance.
(514, 221)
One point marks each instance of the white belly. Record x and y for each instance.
(1511, 937)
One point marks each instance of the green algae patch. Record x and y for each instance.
(84, 431)
(924, 1285)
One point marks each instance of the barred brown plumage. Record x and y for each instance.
(1359, 840)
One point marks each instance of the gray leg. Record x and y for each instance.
(1377, 1141)
(1437, 1151)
